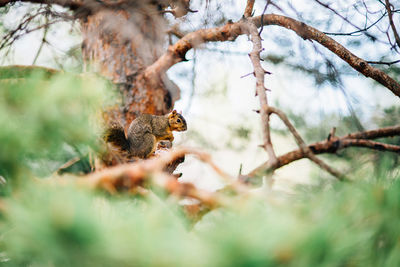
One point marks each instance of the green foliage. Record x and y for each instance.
(67, 226)
(42, 115)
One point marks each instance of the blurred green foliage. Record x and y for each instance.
(348, 225)
(43, 116)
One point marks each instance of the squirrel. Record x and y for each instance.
(145, 132)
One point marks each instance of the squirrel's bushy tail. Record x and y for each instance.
(115, 135)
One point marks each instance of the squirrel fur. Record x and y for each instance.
(145, 132)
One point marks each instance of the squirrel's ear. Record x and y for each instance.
(174, 112)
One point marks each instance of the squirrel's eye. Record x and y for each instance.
(178, 121)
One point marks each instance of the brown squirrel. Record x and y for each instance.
(145, 132)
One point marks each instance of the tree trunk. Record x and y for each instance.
(120, 44)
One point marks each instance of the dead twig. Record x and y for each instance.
(389, 6)
(384, 62)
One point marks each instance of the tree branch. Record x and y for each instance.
(303, 147)
(327, 6)
(43, 41)
(249, 8)
(259, 72)
(384, 62)
(130, 177)
(334, 144)
(388, 6)
(229, 32)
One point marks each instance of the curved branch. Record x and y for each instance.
(302, 145)
(229, 32)
(308, 32)
(334, 144)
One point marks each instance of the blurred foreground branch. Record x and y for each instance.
(134, 177)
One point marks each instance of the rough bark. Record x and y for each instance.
(120, 44)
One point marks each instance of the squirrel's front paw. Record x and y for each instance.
(165, 144)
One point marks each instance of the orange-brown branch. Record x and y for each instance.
(131, 177)
(249, 8)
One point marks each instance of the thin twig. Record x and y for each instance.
(344, 18)
(43, 41)
(358, 31)
(262, 16)
(384, 62)
(248, 74)
(388, 6)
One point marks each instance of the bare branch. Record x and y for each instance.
(327, 6)
(249, 8)
(374, 134)
(308, 32)
(304, 148)
(43, 41)
(262, 16)
(332, 145)
(384, 62)
(358, 31)
(389, 6)
(259, 73)
(231, 31)
(370, 144)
